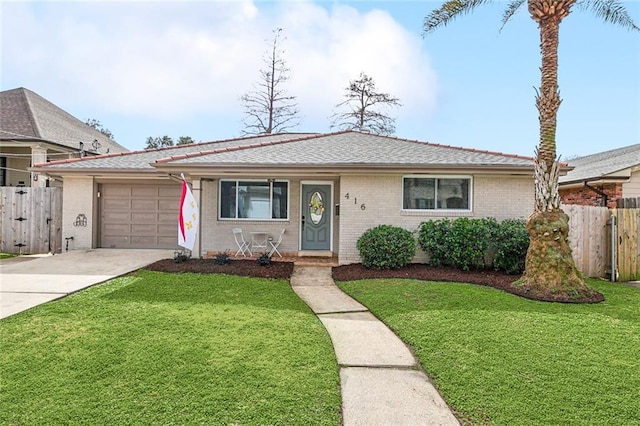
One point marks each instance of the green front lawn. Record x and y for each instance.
(6, 255)
(501, 359)
(155, 348)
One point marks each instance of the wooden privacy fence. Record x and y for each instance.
(590, 238)
(628, 203)
(31, 220)
(628, 250)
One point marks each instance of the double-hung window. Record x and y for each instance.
(436, 193)
(254, 199)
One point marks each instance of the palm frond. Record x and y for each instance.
(612, 11)
(511, 10)
(448, 11)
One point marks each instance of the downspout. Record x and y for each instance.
(605, 197)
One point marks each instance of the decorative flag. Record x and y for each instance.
(188, 218)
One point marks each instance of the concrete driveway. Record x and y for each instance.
(28, 281)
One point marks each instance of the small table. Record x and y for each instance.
(259, 239)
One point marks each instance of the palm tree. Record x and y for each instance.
(550, 271)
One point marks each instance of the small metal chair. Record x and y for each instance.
(243, 245)
(275, 244)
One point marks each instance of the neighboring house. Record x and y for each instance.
(325, 190)
(603, 178)
(33, 130)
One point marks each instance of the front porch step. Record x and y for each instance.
(315, 253)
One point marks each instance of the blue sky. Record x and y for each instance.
(179, 68)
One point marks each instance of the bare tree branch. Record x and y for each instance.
(268, 108)
(363, 102)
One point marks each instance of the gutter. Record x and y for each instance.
(216, 169)
(603, 179)
(66, 149)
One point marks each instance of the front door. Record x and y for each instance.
(316, 217)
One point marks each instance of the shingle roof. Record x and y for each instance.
(347, 148)
(596, 166)
(141, 160)
(25, 115)
(351, 148)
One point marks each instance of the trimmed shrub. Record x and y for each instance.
(386, 247)
(434, 238)
(473, 239)
(511, 243)
(462, 243)
(466, 243)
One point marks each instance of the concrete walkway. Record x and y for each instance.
(380, 380)
(28, 281)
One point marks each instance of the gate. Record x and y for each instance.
(626, 239)
(590, 238)
(31, 220)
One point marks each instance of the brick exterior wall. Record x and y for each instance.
(217, 235)
(501, 197)
(79, 198)
(365, 201)
(586, 197)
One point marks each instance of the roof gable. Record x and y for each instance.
(602, 164)
(27, 116)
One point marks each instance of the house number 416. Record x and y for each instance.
(355, 201)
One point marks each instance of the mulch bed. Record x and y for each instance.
(245, 268)
(495, 279)
(283, 270)
(424, 272)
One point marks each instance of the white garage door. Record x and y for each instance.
(139, 216)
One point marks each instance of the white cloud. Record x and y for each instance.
(173, 60)
(345, 43)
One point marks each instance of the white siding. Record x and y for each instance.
(631, 189)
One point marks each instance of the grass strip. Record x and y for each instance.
(501, 359)
(156, 348)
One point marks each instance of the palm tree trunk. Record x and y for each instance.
(550, 269)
